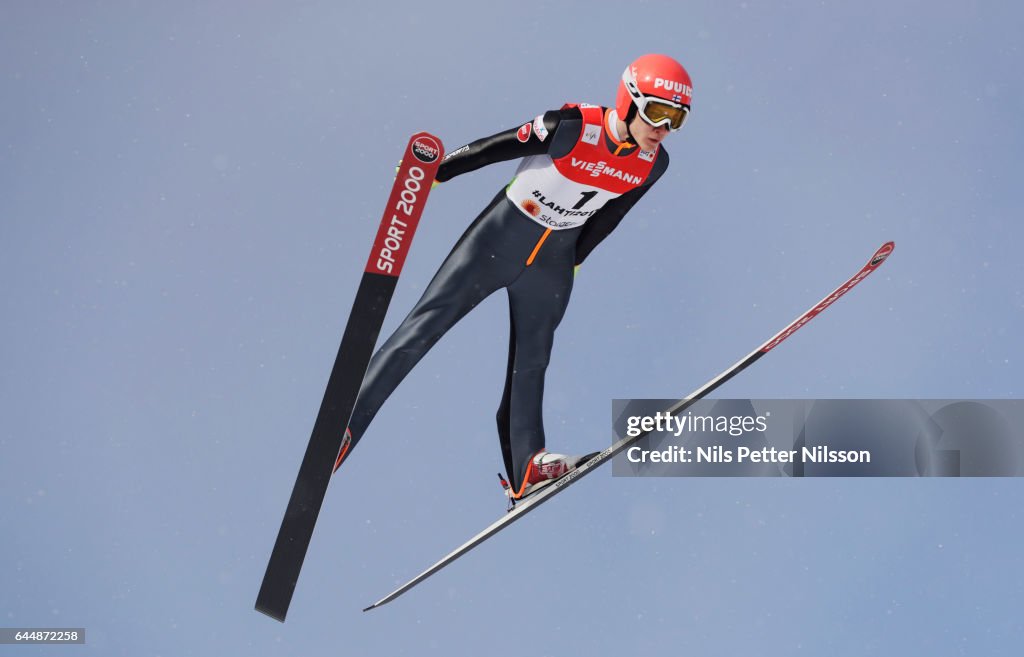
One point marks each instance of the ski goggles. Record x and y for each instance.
(657, 112)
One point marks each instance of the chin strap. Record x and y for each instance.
(614, 118)
(630, 115)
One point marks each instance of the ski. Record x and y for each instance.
(549, 491)
(401, 216)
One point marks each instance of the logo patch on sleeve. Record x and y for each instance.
(457, 151)
(524, 132)
(539, 128)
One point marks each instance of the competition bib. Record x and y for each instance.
(564, 193)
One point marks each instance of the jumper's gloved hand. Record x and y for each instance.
(434, 184)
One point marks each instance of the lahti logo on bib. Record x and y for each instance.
(531, 207)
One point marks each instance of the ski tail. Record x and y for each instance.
(596, 461)
(401, 216)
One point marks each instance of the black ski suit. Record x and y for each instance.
(529, 250)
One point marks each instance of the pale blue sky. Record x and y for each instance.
(187, 196)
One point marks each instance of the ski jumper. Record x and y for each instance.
(575, 184)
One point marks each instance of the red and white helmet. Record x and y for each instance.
(659, 88)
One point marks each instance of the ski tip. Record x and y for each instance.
(881, 254)
(373, 606)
